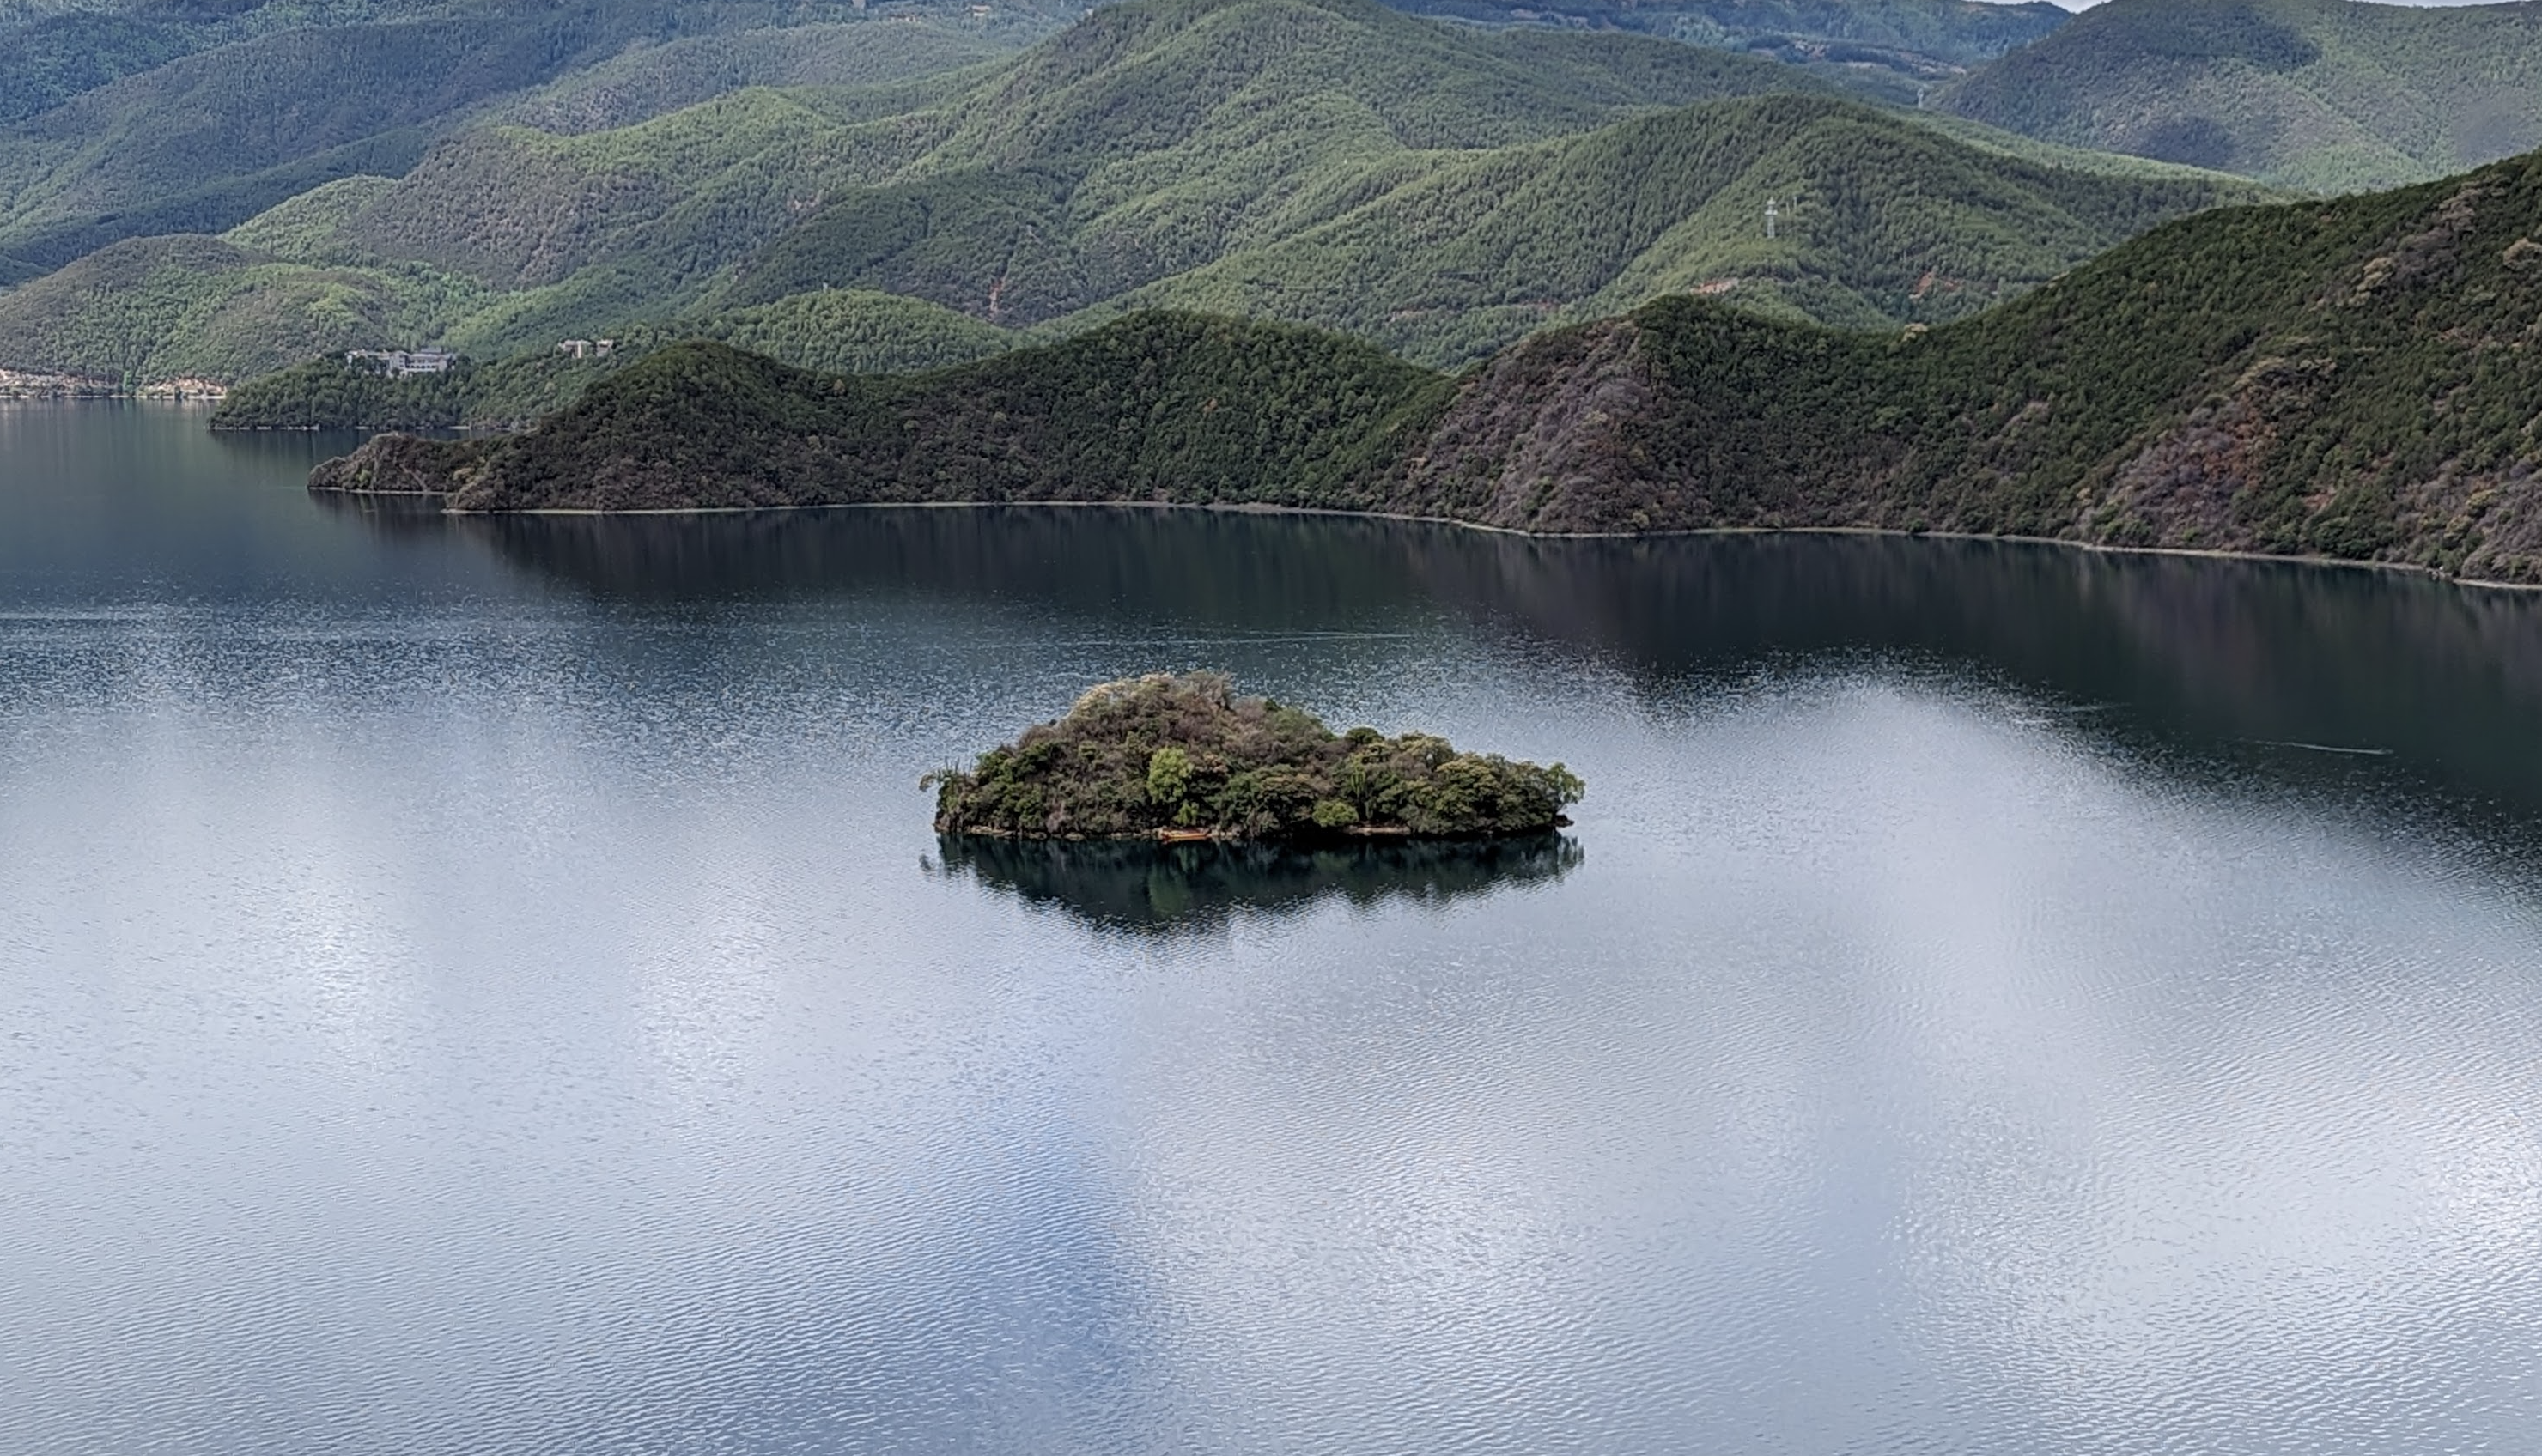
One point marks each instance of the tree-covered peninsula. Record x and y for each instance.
(2358, 378)
(839, 331)
(1167, 756)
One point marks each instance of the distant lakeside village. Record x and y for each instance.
(30, 383)
(36, 384)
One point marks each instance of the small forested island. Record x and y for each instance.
(1185, 757)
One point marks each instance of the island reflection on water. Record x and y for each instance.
(1141, 887)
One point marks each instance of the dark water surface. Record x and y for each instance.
(489, 986)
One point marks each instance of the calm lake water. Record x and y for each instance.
(489, 986)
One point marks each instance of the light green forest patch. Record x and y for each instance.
(299, 95)
(2323, 94)
(310, 227)
(1891, 50)
(152, 309)
(1878, 223)
(649, 80)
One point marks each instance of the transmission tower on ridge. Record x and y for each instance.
(1770, 215)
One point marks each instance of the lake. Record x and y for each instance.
(490, 985)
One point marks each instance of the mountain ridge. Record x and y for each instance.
(218, 133)
(1894, 50)
(2321, 94)
(2353, 379)
(1280, 153)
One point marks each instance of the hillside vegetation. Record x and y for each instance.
(51, 51)
(1896, 48)
(2324, 95)
(343, 394)
(589, 233)
(2359, 379)
(654, 80)
(1880, 223)
(842, 331)
(213, 138)
(1444, 188)
(1187, 754)
(154, 308)
(838, 332)
(1155, 407)
(1152, 137)
(157, 118)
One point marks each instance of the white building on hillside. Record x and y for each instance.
(398, 363)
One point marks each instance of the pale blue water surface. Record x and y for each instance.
(490, 986)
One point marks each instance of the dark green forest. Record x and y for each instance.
(838, 332)
(1187, 755)
(2359, 379)
(1158, 406)
(340, 394)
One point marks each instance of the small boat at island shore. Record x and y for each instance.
(1185, 835)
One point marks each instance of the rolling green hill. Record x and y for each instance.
(1444, 188)
(1159, 406)
(841, 332)
(53, 51)
(649, 80)
(1880, 223)
(210, 140)
(340, 394)
(1895, 49)
(578, 235)
(1152, 137)
(215, 135)
(45, 62)
(2358, 378)
(153, 309)
(1312, 159)
(2324, 95)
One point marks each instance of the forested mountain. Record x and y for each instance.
(1896, 48)
(51, 51)
(1443, 186)
(1879, 222)
(151, 309)
(2323, 94)
(215, 135)
(2359, 378)
(653, 80)
(1152, 137)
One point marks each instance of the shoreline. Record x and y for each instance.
(2399, 568)
(118, 397)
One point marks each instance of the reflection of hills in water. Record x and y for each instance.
(1223, 567)
(1144, 885)
(2448, 680)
